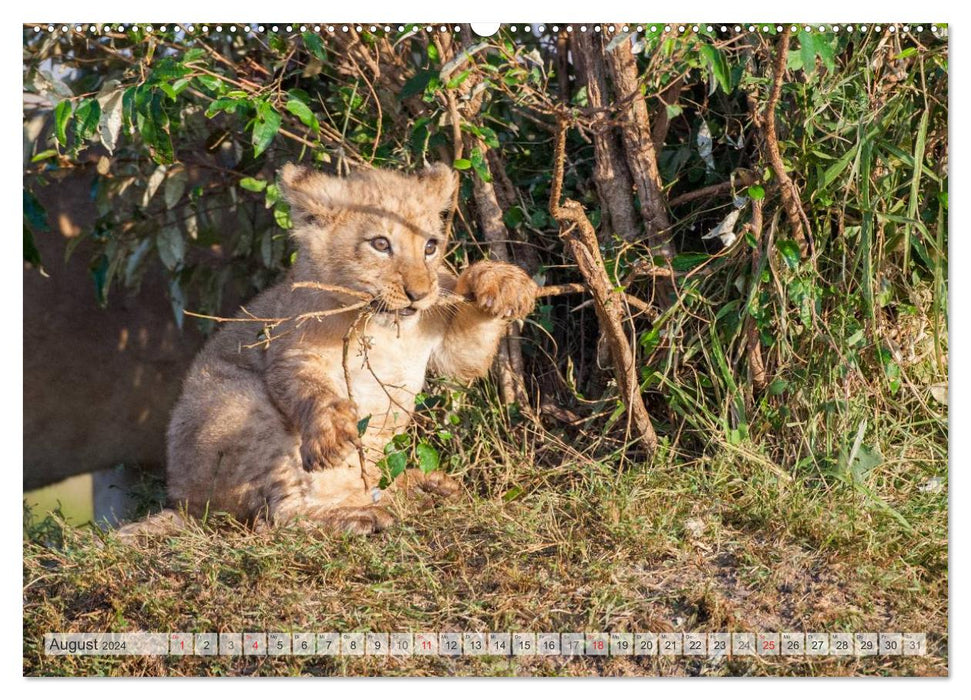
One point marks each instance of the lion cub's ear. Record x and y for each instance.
(312, 195)
(440, 182)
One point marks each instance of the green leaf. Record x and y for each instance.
(267, 123)
(135, 260)
(31, 254)
(433, 53)
(177, 299)
(281, 214)
(833, 171)
(462, 164)
(513, 217)
(43, 155)
(790, 252)
(362, 425)
(252, 184)
(99, 273)
(687, 261)
(580, 99)
(86, 118)
(61, 115)
(175, 184)
(477, 158)
(756, 192)
(303, 113)
(673, 110)
(167, 69)
(154, 127)
(225, 104)
(458, 79)
(867, 459)
(35, 212)
(807, 49)
(719, 67)
(428, 458)
(168, 90)
(211, 83)
(193, 55)
(171, 246)
(826, 51)
(512, 494)
(417, 83)
(397, 462)
(314, 44)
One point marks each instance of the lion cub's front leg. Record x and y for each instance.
(297, 379)
(498, 293)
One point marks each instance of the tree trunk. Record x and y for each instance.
(639, 145)
(610, 172)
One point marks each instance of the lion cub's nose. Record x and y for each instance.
(416, 294)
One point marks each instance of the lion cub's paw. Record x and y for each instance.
(328, 440)
(362, 521)
(438, 484)
(166, 522)
(499, 289)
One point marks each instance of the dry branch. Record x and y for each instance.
(742, 179)
(790, 194)
(756, 365)
(345, 353)
(578, 232)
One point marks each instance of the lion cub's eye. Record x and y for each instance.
(381, 244)
(431, 247)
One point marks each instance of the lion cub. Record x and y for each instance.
(268, 431)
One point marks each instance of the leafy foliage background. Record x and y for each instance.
(186, 130)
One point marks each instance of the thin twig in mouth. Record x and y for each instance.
(320, 286)
(446, 300)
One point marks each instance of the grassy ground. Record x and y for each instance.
(718, 544)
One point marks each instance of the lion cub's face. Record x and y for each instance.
(375, 231)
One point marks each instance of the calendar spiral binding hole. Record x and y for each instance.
(514, 29)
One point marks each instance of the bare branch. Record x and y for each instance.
(577, 231)
(790, 193)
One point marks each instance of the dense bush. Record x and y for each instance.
(806, 353)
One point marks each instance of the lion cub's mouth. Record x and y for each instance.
(407, 311)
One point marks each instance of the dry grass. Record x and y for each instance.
(706, 546)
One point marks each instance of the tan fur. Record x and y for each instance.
(268, 432)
